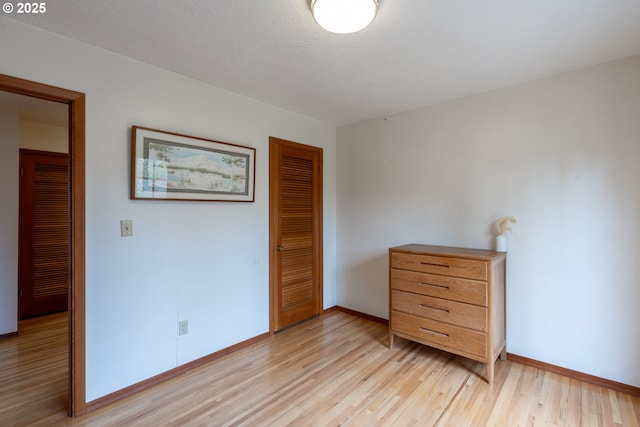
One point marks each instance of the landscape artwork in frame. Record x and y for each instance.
(171, 166)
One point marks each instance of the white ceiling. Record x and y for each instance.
(415, 53)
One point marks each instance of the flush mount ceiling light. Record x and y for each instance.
(344, 16)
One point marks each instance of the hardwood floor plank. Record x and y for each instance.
(333, 370)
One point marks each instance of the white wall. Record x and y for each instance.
(560, 154)
(44, 137)
(9, 162)
(205, 262)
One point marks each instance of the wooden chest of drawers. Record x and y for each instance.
(449, 298)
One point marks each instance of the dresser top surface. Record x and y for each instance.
(482, 254)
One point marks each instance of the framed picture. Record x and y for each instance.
(171, 166)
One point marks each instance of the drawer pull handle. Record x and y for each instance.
(434, 332)
(433, 308)
(432, 285)
(434, 264)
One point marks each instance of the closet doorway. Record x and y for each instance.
(44, 233)
(295, 233)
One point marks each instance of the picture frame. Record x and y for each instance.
(173, 166)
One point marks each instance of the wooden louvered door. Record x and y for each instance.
(295, 232)
(44, 233)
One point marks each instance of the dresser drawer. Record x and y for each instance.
(442, 335)
(456, 313)
(452, 288)
(458, 267)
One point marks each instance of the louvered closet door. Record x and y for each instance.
(296, 174)
(44, 233)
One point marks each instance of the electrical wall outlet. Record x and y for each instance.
(183, 327)
(126, 228)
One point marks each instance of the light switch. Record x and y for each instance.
(183, 327)
(126, 228)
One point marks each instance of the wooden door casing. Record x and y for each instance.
(76, 102)
(295, 206)
(44, 233)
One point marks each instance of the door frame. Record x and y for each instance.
(273, 220)
(76, 102)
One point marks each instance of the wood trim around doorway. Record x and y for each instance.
(76, 102)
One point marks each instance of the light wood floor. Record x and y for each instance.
(330, 371)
